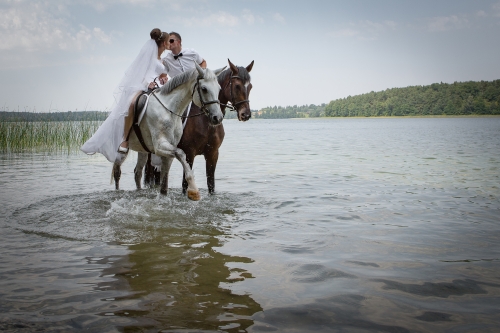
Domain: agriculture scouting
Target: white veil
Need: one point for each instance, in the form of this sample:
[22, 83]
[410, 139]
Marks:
[140, 73]
[138, 76]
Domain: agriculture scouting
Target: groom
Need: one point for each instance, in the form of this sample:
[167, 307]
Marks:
[181, 60]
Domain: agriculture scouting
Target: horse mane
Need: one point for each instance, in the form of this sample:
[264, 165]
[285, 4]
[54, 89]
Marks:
[242, 74]
[177, 81]
[183, 78]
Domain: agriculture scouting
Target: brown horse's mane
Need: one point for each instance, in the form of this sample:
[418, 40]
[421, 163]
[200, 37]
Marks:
[242, 74]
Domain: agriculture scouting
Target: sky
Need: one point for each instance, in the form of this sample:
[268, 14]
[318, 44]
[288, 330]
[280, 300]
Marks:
[69, 55]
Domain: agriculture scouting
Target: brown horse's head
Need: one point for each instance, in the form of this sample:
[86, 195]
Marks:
[236, 89]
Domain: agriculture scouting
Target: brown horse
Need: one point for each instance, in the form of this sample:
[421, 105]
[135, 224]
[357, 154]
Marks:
[199, 137]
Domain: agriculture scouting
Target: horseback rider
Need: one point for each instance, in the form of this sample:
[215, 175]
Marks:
[180, 60]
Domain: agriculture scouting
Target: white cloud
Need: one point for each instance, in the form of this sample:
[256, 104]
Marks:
[481, 13]
[496, 9]
[346, 32]
[446, 23]
[378, 27]
[279, 18]
[221, 19]
[101, 36]
[43, 27]
[103, 5]
[250, 18]
[364, 29]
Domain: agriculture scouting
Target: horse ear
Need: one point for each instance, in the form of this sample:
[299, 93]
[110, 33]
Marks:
[220, 70]
[201, 73]
[234, 69]
[249, 67]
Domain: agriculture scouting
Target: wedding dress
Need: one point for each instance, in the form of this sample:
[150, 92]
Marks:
[143, 70]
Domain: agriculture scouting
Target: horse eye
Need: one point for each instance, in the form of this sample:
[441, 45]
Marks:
[204, 89]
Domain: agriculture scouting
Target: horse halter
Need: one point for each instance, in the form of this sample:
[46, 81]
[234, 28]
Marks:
[203, 103]
[233, 103]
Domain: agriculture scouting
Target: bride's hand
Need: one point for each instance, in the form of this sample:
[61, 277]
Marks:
[151, 85]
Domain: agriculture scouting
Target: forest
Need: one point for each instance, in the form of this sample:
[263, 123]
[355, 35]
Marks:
[295, 111]
[437, 99]
[459, 98]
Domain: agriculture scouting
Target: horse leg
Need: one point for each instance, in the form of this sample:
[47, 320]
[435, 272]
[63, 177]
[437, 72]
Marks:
[117, 172]
[155, 174]
[142, 158]
[156, 177]
[164, 148]
[192, 191]
[148, 172]
[190, 161]
[166, 162]
[211, 159]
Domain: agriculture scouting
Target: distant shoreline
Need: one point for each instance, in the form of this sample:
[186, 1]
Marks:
[393, 117]
[6, 116]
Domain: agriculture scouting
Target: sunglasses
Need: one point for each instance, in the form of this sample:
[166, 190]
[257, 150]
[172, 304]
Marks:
[171, 41]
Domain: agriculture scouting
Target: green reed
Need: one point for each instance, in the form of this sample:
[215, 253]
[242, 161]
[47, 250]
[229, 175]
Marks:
[45, 136]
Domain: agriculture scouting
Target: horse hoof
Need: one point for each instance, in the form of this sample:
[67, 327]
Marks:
[194, 195]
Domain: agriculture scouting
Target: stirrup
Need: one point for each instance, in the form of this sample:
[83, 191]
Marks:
[123, 150]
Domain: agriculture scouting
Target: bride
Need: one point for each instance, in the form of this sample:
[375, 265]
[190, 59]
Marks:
[110, 138]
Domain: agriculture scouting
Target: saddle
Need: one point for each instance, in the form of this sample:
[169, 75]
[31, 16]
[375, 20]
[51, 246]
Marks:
[140, 105]
[139, 109]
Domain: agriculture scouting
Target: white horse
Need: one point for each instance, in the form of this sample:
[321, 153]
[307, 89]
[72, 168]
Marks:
[161, 125]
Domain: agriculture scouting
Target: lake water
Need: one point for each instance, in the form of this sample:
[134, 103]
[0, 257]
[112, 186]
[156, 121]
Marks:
[318, 225]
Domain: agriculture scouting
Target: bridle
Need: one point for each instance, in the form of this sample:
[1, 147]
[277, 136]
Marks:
[233, 105]
[204, 104]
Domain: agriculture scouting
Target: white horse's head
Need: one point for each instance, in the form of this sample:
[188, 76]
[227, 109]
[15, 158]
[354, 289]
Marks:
[206, 94]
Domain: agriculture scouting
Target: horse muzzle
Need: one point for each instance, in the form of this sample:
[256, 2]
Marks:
[244, 114]
[215, 120]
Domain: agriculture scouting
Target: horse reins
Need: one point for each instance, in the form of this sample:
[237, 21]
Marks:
[203, 103]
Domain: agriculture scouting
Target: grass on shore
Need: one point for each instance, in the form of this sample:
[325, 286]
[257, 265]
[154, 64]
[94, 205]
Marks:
[50, 136]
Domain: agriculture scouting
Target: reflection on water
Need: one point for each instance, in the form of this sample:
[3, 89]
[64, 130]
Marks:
[332, 314]
[178, 284]
[383, 225]
[172, 274]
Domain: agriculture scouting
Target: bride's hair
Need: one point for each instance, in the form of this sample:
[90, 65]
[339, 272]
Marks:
[158, 36]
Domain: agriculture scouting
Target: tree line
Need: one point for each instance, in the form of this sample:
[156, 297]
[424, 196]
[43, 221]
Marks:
[295, 111]
[459, 98]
